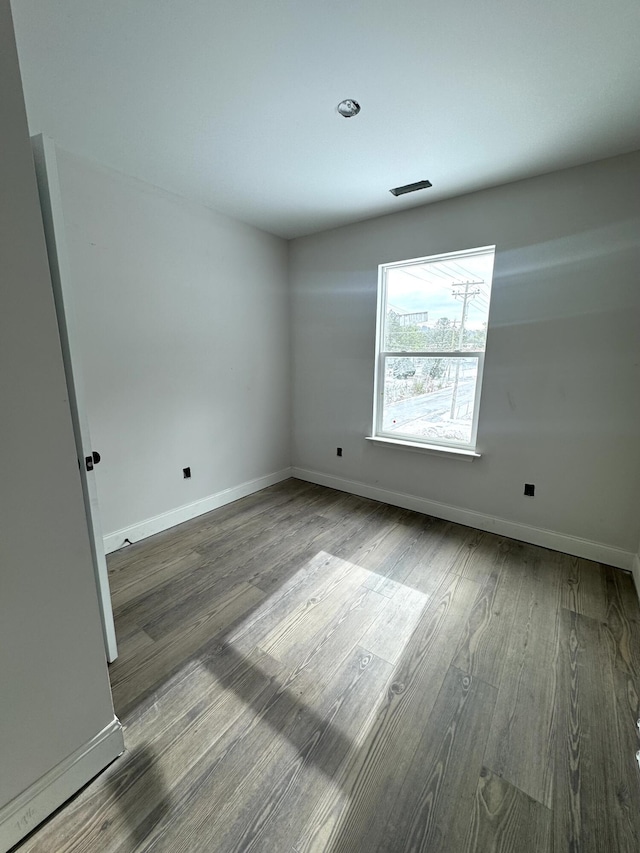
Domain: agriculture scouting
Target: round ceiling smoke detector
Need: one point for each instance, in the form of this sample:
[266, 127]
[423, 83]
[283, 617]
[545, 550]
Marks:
[348, 108]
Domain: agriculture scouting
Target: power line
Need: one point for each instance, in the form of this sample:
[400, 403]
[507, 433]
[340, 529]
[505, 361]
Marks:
[434, 273]
[464, 269]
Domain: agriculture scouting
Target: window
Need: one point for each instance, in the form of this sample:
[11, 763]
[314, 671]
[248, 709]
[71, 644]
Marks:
[432, 328]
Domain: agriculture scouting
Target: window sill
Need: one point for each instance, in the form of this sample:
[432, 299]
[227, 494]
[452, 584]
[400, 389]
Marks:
[432, 449]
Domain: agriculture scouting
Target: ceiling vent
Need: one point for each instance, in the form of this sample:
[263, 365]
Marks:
[411, 188]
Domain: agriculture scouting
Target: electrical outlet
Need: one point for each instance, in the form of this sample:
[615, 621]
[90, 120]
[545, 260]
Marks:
[529, 490]
[338, 451]
[186, 473]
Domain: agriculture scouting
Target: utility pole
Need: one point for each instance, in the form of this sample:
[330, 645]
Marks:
[466, 297]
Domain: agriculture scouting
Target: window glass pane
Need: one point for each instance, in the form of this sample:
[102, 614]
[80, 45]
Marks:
[430, 399]
[438, 305]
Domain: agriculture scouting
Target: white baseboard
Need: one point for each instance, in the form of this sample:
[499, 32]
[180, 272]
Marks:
[142, 529]
[20, 816]
[515, 530]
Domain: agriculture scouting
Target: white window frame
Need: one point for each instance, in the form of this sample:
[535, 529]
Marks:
[398, 438]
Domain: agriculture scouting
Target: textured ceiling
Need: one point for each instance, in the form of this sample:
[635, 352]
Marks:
[232, 102]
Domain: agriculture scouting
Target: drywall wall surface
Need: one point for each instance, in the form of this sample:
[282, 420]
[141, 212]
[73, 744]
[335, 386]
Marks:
[560, 404]
[183, 323]
[53, 672]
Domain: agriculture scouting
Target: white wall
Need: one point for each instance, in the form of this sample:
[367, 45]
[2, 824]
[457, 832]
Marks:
[560, 405]
[184, 322]
[53, 673]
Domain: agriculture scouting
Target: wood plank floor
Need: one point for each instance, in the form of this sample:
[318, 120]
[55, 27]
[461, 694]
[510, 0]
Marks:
[305, 670]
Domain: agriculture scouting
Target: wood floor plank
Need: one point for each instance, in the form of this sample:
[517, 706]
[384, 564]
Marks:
[406, 555]
[256, 534]
[312, 583]
[444, 552]
[129, 647]
[301, 624]
[329, 643]
[324, 606]
[137, 584]
[421, 563]
[342, 539]
[440, 782]
[302, 590]
[127, 627]
[583, 586]
[219, 767]
[143, 565]
[627, 715]
[130, 680]
[592, 810]
[477, 555]
[388, 535]
[171, 608]
[388, 636]
[146, 551]
[397, 727]
[505, 820]
[285, 558]
[289, 715]
[483, 647]
[247, 822]
[163, 745]
[622, 620]
[521, 745]
[223, 539]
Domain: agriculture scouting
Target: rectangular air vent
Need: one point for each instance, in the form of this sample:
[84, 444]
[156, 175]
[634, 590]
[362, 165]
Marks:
[411, 188]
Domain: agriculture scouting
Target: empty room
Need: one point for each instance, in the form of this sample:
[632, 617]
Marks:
[320, 427]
